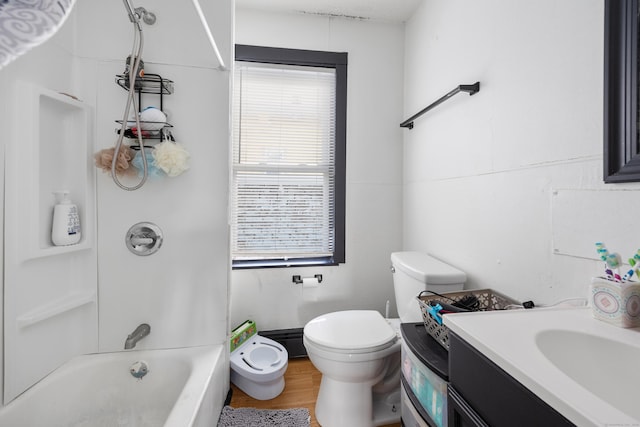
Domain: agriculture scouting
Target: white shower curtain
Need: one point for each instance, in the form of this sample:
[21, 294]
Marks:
[25, 24]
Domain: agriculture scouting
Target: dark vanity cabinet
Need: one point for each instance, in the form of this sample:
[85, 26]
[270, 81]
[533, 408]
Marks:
[481, 394]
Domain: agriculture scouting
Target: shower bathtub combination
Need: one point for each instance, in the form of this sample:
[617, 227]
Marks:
[181, 388]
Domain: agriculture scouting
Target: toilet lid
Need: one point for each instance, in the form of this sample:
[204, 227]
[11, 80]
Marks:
[350, 330]
[427, 269]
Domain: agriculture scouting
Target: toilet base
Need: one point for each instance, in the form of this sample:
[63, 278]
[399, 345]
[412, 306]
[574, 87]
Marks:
[386, 408]
[260, 391]
[347, 404]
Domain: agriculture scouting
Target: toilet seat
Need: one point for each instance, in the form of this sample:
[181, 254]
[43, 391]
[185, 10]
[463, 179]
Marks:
[259, 359]
[350, 332]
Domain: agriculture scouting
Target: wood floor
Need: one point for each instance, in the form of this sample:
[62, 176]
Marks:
[302, 382]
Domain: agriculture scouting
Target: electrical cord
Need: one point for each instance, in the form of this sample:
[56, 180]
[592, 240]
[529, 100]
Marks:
[574, 302]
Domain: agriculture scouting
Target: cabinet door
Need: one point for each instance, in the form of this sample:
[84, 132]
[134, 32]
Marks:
[460, 414]
[497, 396]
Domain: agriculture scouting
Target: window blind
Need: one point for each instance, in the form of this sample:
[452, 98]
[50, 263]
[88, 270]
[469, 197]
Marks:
[283, 173]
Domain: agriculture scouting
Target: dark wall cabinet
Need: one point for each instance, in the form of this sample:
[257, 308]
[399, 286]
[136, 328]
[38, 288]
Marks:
[481, 394]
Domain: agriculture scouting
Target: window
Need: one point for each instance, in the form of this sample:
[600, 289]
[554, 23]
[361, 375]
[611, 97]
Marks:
[289, 155]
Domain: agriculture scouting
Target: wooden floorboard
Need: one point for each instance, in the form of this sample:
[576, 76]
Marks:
[302, 382]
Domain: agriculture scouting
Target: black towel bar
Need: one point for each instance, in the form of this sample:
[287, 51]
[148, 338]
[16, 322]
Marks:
[470, 89]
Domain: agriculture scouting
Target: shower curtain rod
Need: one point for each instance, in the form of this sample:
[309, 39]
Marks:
[471, 89]
[207, 30]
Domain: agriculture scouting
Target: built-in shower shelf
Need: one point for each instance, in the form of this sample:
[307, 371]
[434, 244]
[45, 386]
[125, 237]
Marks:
[53, 155]
[55, 308]
[41, 252]
[150, 83]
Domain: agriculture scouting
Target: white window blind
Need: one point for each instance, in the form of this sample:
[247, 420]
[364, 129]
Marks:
[283, 162]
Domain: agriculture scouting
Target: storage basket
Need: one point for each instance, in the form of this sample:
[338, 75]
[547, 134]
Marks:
[488, 300]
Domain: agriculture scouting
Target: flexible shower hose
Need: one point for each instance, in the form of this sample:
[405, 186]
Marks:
[136, 52]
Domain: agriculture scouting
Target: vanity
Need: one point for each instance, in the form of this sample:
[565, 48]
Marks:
[541, 367]
[491, 396]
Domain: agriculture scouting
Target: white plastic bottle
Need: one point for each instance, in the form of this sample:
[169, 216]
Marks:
[66, 221]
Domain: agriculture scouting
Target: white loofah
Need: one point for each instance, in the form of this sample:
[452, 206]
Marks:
[152, 119]
[171, 157]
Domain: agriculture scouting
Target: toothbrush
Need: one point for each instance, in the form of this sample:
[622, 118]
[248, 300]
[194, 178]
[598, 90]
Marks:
[635, 266]
[604, 253]
[614, 261]
[608, 272]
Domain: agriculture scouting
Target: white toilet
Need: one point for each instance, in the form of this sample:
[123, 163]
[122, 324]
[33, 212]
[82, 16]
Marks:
[358, 351]
[258, 366]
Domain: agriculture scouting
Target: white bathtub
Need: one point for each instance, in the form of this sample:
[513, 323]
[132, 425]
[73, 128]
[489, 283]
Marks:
[183, 388]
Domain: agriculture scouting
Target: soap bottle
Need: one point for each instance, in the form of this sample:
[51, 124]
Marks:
[66, 221]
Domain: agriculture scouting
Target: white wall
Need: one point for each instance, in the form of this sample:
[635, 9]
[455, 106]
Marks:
[374, 176]
[507, 184]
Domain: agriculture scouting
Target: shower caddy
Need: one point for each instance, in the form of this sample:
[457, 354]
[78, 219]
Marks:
[149, 84]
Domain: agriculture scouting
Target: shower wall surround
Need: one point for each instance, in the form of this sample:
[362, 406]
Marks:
[40, 282]
[51, 291]
[181, 291]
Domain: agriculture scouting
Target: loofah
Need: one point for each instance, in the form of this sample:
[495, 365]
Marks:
[152, 169]
[104, 158]
[171, 157]
[152, 119]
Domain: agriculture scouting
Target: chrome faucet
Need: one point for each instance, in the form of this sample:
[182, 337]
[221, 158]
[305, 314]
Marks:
[132, 339]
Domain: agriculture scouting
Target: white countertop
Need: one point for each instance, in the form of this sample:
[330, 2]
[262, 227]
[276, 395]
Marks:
[508, 338]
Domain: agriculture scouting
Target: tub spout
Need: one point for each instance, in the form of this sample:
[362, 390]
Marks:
[132, 339]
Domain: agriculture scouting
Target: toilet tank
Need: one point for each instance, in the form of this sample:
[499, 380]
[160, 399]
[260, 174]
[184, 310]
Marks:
[414, 272]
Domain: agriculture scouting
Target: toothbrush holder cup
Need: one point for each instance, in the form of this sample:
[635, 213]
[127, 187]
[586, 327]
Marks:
[614, 302]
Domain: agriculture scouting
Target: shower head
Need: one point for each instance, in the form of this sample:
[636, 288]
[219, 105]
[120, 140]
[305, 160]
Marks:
[149, 18]
[135, 13]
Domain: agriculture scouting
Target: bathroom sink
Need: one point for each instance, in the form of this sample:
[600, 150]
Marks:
[584, 368]
[598, 364]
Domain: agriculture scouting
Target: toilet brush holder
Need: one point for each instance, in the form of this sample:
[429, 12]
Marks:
[614, 302]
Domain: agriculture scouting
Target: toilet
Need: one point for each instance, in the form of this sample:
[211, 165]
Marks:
[358, 351]
[258, 365]
[414, 272]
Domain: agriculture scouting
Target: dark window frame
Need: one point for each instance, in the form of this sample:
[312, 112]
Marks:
[621, 152]
[313, 58]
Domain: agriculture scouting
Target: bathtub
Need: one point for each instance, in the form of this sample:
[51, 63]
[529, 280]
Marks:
[183, 387]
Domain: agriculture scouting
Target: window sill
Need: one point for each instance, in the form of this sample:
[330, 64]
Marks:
[280, 263]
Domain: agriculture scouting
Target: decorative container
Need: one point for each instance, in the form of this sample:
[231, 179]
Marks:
[614, 302]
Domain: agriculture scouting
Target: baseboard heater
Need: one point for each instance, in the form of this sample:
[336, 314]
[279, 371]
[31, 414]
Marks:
[291, 339]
